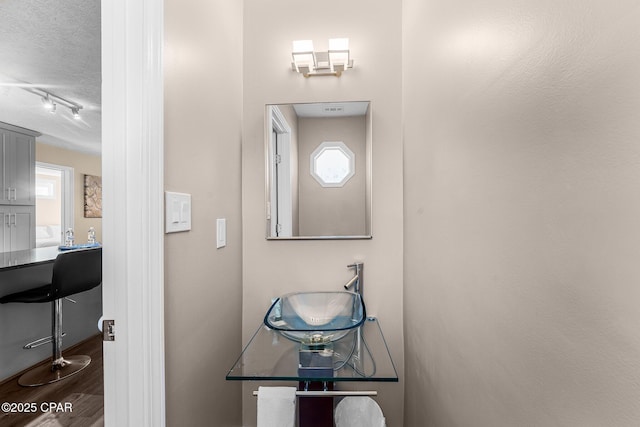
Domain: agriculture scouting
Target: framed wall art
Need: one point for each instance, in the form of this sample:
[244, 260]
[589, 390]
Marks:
[92, 196]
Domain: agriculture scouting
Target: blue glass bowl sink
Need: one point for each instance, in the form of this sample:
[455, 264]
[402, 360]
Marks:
[316, 317]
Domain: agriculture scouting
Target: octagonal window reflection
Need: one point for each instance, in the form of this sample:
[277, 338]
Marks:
[332, 164]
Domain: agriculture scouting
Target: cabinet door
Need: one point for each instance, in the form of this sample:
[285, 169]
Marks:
[5, 229]
[19, 164]
[5, 137]
[22, 225]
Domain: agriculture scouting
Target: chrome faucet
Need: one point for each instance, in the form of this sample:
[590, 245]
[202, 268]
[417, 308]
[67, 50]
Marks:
[356, 281]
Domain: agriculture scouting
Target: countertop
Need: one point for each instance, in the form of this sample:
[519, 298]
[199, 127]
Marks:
[360, 356]
[28, 257]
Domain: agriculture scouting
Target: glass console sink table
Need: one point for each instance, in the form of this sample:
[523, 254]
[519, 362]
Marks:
[362, 355]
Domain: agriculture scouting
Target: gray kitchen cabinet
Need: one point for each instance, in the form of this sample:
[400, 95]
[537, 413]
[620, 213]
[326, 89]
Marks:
[18, 230]
[17, 182]
[18, 165]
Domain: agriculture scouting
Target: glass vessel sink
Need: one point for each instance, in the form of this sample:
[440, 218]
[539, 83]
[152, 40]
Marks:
[316, 318]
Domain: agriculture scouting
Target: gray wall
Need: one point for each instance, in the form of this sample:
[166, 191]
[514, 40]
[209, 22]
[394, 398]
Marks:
[522, 207]
[272, 268]
[332, 211]
[203, 306]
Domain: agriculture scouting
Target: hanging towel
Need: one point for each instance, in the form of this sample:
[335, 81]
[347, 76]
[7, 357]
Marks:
[359, 411]
[276, 406]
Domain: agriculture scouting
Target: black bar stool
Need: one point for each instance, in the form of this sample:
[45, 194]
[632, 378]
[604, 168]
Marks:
[73, 272]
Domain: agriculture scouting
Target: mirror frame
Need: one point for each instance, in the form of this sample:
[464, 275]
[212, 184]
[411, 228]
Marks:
[268, 120]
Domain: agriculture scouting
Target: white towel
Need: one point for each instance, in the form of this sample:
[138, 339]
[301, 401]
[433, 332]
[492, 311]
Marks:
[276, 406]
[359, 411]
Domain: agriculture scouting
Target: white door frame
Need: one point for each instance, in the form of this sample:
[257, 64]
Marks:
[281, 196]
[132, 168]
[67, 192]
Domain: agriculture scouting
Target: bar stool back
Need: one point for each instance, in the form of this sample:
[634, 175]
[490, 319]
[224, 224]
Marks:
[73, 272]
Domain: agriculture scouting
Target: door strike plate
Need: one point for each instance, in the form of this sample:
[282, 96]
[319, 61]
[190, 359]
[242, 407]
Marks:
[108, 330]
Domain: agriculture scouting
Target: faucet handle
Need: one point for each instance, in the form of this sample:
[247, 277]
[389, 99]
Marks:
[356, 265]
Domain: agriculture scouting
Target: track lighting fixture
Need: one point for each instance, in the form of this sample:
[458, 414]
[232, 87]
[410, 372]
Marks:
[51, 100]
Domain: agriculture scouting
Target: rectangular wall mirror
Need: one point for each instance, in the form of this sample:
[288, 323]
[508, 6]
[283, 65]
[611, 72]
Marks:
[318, 170]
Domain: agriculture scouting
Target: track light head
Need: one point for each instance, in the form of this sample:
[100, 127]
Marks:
[48, 103]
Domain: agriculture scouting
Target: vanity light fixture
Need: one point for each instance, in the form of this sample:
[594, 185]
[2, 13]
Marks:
[333, 62]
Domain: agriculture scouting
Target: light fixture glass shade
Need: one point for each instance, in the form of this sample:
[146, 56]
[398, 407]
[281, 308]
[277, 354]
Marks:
[339, 53]
[302, 54]
[302, 46]
[339, 44]
[48, 103]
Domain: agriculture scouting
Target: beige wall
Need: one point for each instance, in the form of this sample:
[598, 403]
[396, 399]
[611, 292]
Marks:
[332, 211]
[203, 111]
[271, 268]
[82, 164]
[522, 163]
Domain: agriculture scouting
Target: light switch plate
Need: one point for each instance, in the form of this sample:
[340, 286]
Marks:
[177, 212]
[221, 233]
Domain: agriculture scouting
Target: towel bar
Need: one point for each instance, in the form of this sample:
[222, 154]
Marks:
[321, 393]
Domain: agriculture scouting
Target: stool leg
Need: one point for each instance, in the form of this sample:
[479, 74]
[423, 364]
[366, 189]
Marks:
[56, 333]
[60, 368]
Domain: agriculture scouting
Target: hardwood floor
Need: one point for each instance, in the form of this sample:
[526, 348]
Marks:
[77, 401]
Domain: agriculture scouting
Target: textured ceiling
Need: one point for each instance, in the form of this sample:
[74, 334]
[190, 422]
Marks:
[55, 45]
